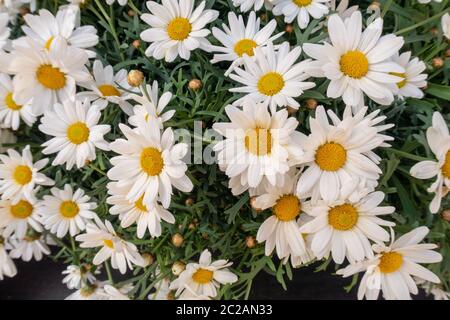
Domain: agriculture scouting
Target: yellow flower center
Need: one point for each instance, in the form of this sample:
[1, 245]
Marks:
[78, 133]
[68, 209]
[287, 207]
[50, 77]
[179, 29]
[245, 46]
[343, 217]
[10, 103]
[446, 166]
[108, 243]
[270, 84]
[108, 90]
[302, 3]
[331, 156]
[354, 64]
[402, 83]
[22, 174]
[258, 141]
[49, 42]
[390, 262]
[202, 276]
[151, 161]
[139, 205]
[22, 210]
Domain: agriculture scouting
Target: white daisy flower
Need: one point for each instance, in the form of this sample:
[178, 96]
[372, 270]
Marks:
[11, 7]
[74, 126]
[149, 163]
[392, 267]
[44, 27]
[239, 39]
[356, 62]
[246, 5]
[430, 288]
[19, 175]
[259, 148]
[176, 28]
[10, 111]
[163, 291]
[28, 247]
[6, 137]
[300, 9]
[89, 292]
[307, 256]
[445, 23]
[149, 106]
[121, 2]
[47, 77]
[107, 87]
[342, 8]
[7, 266]
[66, 210]
[345, 226]
[438, 139]
[78, 276]
[272, 77]
[136, 212]
[123, 254]
[280, 231]
[203, 278]
[339, 153]
[413, 79]
[16, 217]
[4, 30]
[428, 1]
[112, 293]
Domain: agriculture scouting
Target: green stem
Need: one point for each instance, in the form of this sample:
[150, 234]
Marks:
[95, 168]
[407, 29]
[74, 249]
[108, 272]
[386, 8]
[133, 7]
[404, 154]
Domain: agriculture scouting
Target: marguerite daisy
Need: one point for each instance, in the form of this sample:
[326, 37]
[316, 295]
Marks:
[123, 254]
[19, 175]
[149, 163]
[413, 79]
[300, 9]
[246, 5]
[136, 212]
[357, 62]
[113, 293]
[176, 28]
[239, 39]
[16, 217]
[4, 30]
[272, 77]
[47, 77]
[342, 8]
[28, 247]
[66, 211]
[78, 276]
[10, 7]
[344, 226]
[445, 24]
[148, 103]
[428, 1]
[121, 2]
[7, 266]
[392, 267]
[107, 87]
[74, 126]
[10, 111]
[162, 291]
[203, 278]
[259, 147]
[439, 141]
[92, 291]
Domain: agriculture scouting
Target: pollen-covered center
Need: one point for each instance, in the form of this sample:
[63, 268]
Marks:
[245, 46]
[69, 209]
[302, 3]
[258, 141]
[49, 42]
[287, 207]
[22, 174]
[402, 83]
[202, 276]
[331, 156]
[10, 103]
[354, 64]
[140, 205]
[343, 217]
[179, 29]
[151, 161]
[109, 90]
[78, 133]
[446, 166]
[390, 262]
[108, 243]
[51, 77]
[270, 84]
[22, 209]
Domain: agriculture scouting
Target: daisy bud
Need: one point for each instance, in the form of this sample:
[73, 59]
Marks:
[195, 84]
[177, 240]
[205, 236]
[434, 31]
[289, 28]
[171, 295]
[446, 215]
[252, 204]
[191, 226]
[135, 78]
[178, 267]
[131, 13]
[263, 16]
[437, 62]
[23, 11]
[136, 43]
[374, 5]
[311, 104]
[250, 242]
[189, 202]
[148, 259]
[291, 110]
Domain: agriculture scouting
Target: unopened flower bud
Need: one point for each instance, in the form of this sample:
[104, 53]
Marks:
[135, 78]
[289, 28]
[177, 240]
[250, 242]
[148, 259]
[136, 43]
[178, 267]
[437, 62]
[189, 202]
[446, 215]
[131, 13]
[195, 84]
[291, 110]
[311, 104]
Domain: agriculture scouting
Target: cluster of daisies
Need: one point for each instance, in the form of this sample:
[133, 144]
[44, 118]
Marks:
[320, 188]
